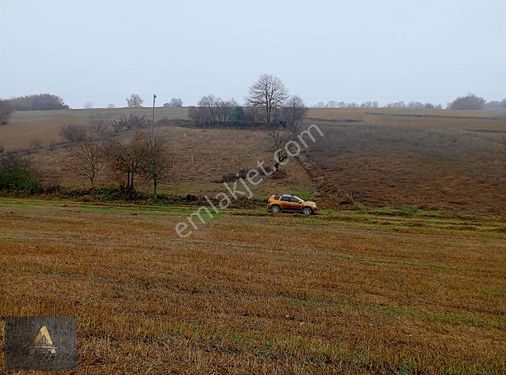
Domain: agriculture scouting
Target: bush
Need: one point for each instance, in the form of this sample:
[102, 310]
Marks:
[17, 175]
[72, 133]
[131, 122]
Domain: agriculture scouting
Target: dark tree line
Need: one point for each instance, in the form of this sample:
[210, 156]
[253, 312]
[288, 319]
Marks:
[38, 102]
[475, 102]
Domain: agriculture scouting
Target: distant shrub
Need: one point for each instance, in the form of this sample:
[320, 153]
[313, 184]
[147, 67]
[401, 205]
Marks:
[18, 175]
[468, 102]
[38, 102]
[72, 133]
[174, 103]
[131, 122]
[134, 101]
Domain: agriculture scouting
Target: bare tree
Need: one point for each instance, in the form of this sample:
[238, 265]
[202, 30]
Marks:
[126, 156]
[156, 165]
[100, 128]
[224, 108]
[206, 111]
[86, 158]
[134, 101]
[72, 133]
[277, 139]
[292, 114]
[268, 93]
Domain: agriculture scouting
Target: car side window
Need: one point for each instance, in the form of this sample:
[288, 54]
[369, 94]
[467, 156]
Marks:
[295, 200]
[286, 199]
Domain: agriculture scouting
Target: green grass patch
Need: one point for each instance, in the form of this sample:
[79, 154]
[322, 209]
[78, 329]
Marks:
[440, 316]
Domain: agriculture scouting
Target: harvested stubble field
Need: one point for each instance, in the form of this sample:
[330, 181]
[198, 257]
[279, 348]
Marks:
[381, 291]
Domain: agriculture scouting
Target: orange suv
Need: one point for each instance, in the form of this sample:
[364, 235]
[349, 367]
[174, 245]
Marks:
[291, 203]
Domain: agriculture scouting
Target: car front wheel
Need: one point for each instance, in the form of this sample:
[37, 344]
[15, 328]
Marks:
[275, 209]
[307, 211]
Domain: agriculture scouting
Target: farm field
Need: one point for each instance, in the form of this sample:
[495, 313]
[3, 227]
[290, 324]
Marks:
[379, 290]
[42, 128]
[231, 188]
[449, 160]
[430, 159]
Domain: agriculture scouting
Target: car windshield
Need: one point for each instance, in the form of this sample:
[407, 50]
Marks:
[300, 199]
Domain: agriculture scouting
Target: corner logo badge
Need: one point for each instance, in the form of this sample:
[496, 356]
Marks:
[40, 343]
[43, 342]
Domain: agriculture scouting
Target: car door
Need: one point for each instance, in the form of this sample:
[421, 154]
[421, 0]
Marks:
[296, 204]
[286, 203]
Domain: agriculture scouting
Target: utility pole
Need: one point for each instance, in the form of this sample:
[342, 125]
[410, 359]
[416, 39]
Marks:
[153, 123]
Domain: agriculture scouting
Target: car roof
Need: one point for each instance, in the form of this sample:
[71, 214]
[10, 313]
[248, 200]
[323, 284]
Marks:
[280, 195]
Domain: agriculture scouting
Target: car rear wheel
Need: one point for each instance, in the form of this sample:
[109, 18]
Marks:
[275, 209]
[307, 211]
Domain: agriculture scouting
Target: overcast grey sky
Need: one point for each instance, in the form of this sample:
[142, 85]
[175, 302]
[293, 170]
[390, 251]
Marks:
[354, 51]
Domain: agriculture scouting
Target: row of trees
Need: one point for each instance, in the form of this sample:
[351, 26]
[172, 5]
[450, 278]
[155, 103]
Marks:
[495, 104]
[469, 102]
[213, 110]
[374, 104]
[336, 104]
[268, 92]
[414, 105]
[97, 145]
[268, 103]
